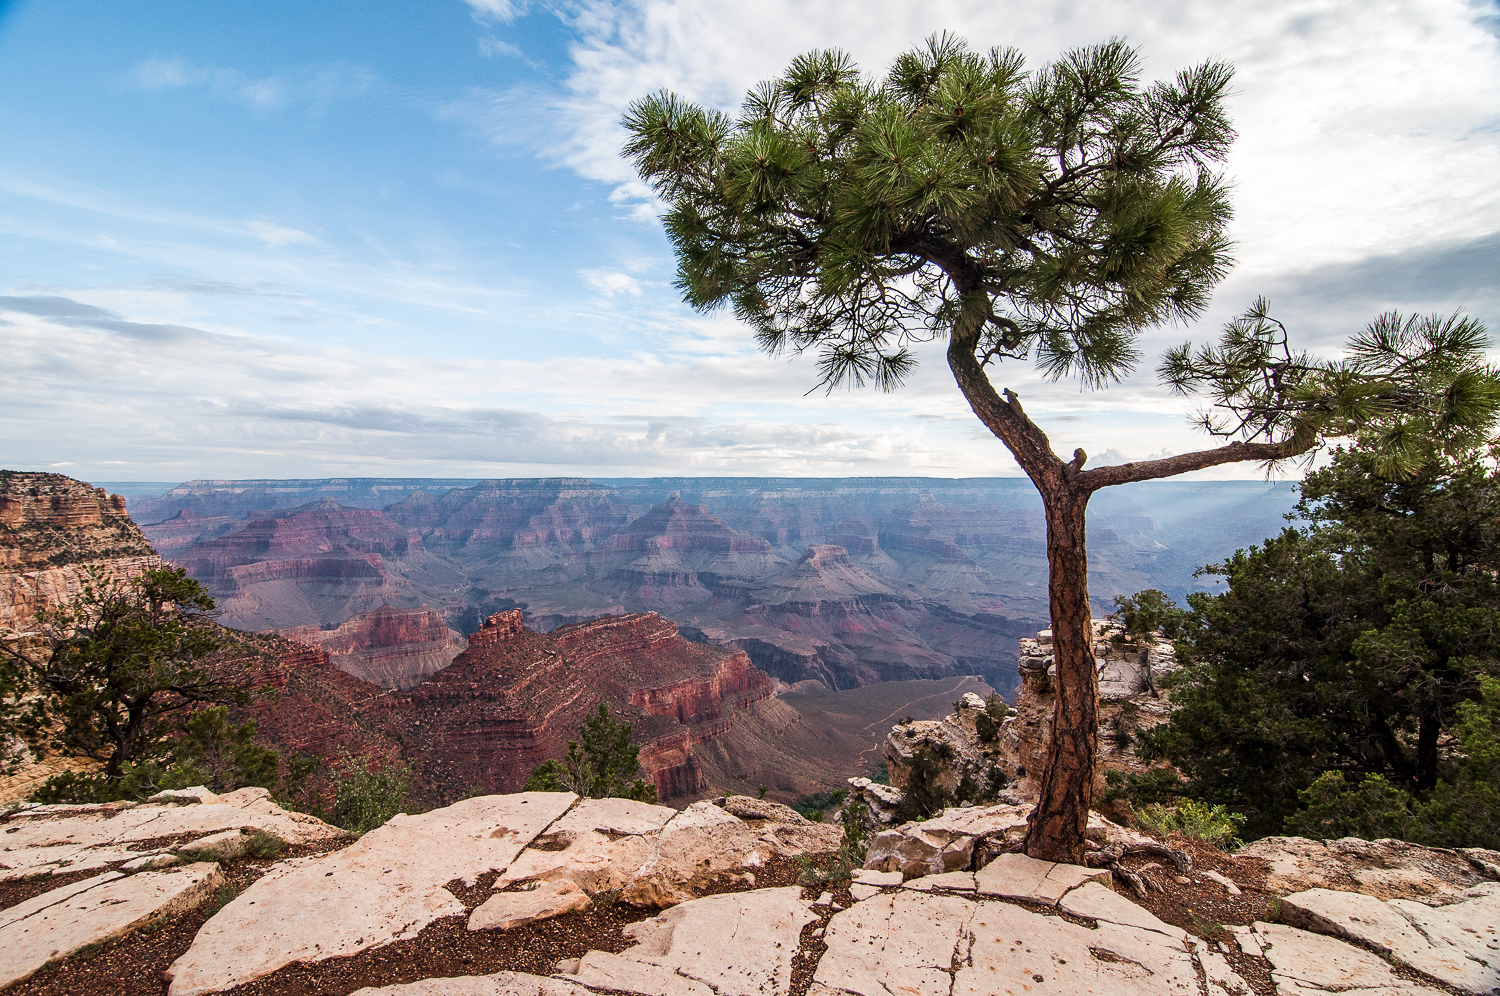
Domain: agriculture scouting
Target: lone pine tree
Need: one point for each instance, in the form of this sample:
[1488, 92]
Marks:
[1047, 216]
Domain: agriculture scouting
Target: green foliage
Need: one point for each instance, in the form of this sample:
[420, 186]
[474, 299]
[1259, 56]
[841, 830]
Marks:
[815, 804]
[924, 795]
[264, 845]
[1145, 615]
[1055, 212]
[760, 793]
[105, 672]
[858, 825]
[1193, 819]
[987, 724]
[1358, 646]
[219, 755]
[881, 773]
[1155, 786]
[601, 764]
[365, 799]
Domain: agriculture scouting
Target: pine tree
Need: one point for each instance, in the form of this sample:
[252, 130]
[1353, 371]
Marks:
[1050, 217]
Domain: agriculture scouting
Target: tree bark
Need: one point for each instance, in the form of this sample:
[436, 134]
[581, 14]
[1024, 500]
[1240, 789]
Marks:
[1056, 826]
[1055, 829]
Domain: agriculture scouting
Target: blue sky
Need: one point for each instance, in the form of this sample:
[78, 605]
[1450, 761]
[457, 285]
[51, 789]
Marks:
[279, 239]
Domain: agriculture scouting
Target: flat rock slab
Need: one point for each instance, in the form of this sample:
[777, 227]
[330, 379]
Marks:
[946, 882]
[1016, 876]
[385, 887]
[505, 910]
[614, 816]
[739, 944]
[45, 840]
[1095, 901]
[1457, 944]
[931, 944]
[879, 879]
[58, 923]
[1303, 963]
[499, 984]
[1385, 869]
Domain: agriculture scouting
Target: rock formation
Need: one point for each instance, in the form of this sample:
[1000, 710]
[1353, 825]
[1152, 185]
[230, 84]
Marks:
[929, 913]
[531, 519]
[393, 648]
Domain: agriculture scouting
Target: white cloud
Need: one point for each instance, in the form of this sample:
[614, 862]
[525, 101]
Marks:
[315, 86]
[276, 236]
[1363, 126]
[497, 10]
[490, 45]
[611, 282]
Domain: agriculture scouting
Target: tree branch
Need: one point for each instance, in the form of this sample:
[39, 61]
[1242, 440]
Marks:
[1148, 470]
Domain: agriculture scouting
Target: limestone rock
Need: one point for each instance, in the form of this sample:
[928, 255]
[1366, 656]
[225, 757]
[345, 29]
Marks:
[879, 879]
[499, 984]
[42, 840]
[58, 923]
[861, 891]
[750, 808]
[880, 799]
[653, 892]
[505, 910]
[1303, 962]
[1385, 869]
[1016, 876]
[385, 887]
[1100, 903]
[1223, 880]
[226, 845]
[1457, 943]
[738, 944]
[946, 882]
[899, 942]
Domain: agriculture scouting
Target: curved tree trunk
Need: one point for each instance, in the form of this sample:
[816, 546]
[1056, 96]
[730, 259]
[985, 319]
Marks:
[1056, 825]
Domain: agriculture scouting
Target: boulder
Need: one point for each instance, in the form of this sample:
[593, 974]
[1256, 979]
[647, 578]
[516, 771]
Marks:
[505, 910]
[383, 888]
[57, 923]
[653, 892]
[750, 808]
[738, 944]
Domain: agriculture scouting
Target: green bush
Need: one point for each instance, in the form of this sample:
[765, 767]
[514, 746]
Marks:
[602, 763]
[1194, 820]
[924, 796]
[365, 799]
[1145, 615]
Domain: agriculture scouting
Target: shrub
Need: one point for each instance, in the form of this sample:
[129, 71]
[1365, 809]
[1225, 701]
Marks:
[1194, 820]
[365, 799]
[1144, 615]
[924, 796]
[600, 764]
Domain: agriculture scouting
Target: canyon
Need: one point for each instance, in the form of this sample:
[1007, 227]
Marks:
[846, 582]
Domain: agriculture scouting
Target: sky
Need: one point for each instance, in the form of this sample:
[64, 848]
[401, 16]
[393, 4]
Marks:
[274, 239]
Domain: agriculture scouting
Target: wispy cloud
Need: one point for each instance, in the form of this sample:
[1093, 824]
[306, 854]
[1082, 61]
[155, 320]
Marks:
[497, 10]
[317, 87]
[276, 236]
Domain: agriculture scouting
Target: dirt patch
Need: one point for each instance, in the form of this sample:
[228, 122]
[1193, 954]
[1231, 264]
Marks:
[20, 890]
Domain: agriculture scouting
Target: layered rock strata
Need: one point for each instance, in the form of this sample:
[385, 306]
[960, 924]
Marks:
[393, 648]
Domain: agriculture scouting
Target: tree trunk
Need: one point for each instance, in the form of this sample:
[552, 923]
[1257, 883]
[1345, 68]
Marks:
[1427, 752]
[1056, 826]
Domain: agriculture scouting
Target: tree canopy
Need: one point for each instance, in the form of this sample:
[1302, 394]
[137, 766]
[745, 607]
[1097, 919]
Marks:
[1356, 648]
[1044, 216]
[100, 676]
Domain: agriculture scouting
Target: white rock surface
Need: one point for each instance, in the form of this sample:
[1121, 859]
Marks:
[57, 923]
[1016, 876]
[42, 840]
[1385, 869]
[879, 879]
[383, 888]
[1304, 963]
[946, 882]
[896, 943]
[505, 910]
[1457, 944]
[1095, 901]
[1225, 881]
[499, 984]
[738, 944]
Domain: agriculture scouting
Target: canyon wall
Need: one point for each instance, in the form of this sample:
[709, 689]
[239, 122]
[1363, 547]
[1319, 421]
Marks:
[392, 648]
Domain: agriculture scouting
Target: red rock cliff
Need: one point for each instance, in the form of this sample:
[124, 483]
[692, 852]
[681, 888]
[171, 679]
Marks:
[393, 648]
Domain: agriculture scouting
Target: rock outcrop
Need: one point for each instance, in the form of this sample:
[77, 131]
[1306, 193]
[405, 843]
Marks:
[48, 520]
[392, 648]
[514, 697]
